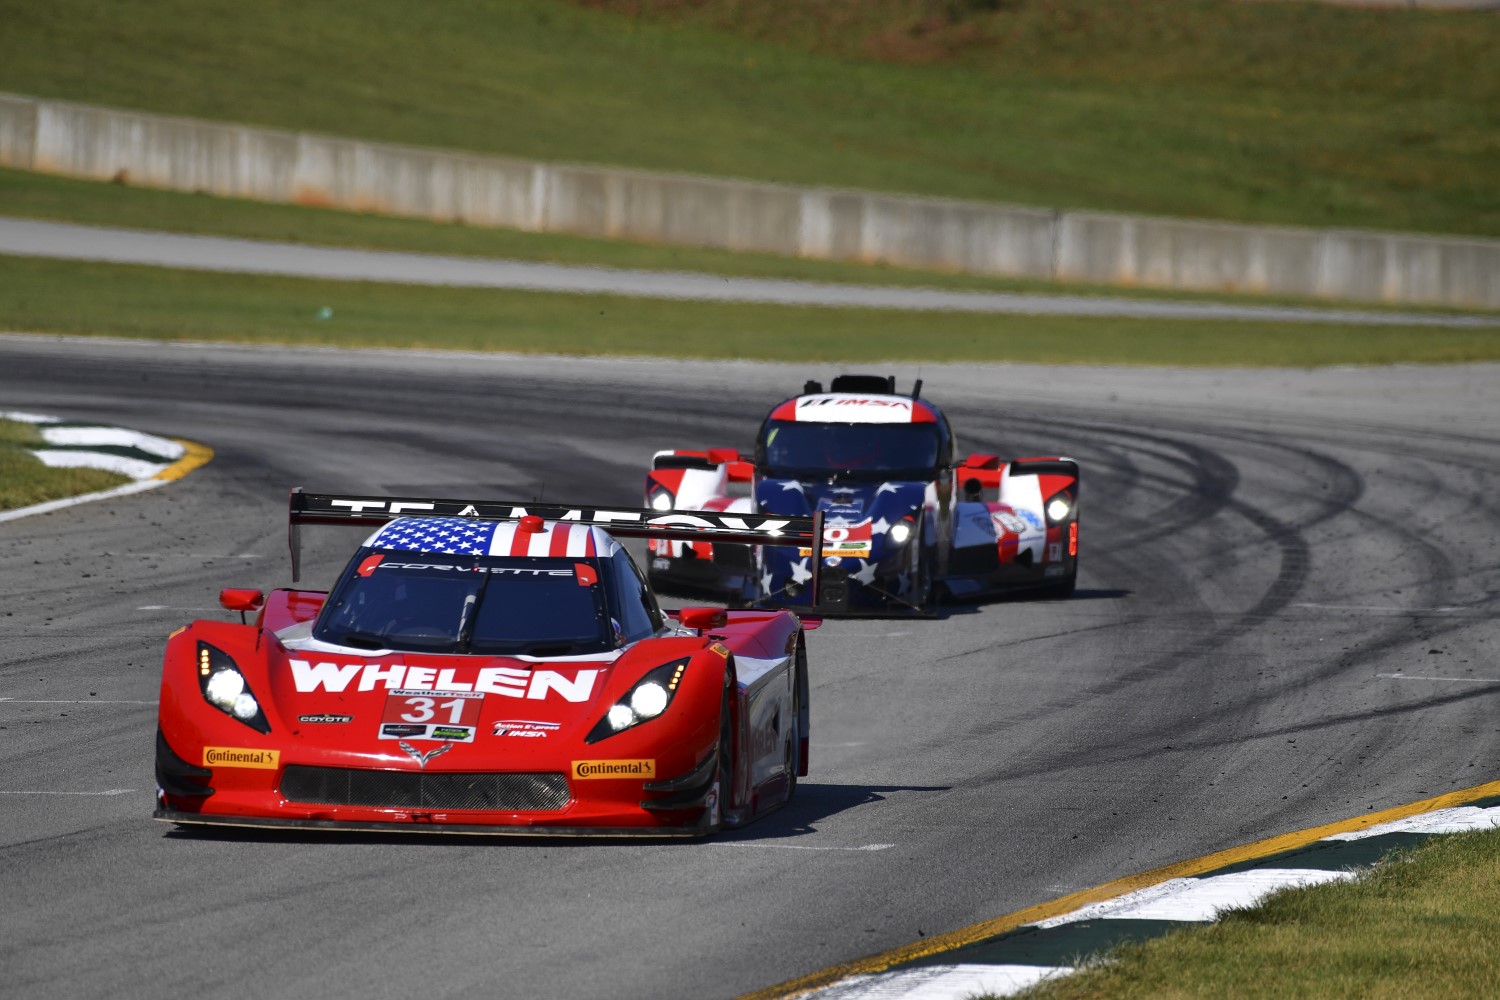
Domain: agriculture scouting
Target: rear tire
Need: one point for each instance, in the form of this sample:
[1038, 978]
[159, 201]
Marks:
[1058, 591]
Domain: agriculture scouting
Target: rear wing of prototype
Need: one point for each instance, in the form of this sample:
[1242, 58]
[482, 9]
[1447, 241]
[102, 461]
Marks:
[622, 522]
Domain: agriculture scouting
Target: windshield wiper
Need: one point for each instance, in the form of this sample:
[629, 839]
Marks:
[470, 614]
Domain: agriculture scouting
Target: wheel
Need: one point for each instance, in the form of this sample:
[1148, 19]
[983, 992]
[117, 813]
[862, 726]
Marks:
[794, 761]
[1061, 590]
[920, 594]
[794, 745]
[724, 779]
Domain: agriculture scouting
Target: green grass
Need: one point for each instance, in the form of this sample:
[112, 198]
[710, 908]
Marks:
[24, 480]
[122, 300]
[1424, 926]
[1262, 112]
[41, 196]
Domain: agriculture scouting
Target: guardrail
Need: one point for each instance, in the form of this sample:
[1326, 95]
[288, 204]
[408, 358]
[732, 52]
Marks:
[242, 161]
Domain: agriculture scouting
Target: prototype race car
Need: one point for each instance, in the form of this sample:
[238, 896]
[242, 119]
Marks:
[489, 668]
[905, 525]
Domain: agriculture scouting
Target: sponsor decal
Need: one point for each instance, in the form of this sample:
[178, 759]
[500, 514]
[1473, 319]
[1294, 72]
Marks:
[266, 760]
[399, 731]
[1054, 571]
[1033, 519]
[324, 717]
[421, 756]
[450, 568]
[525, 729]
[586, 515]
[841, 541]
[1054, 552]
[661, 564]
[808, 402]
[509, 682]
[593, 770]
[586, 575]
[1009, 522]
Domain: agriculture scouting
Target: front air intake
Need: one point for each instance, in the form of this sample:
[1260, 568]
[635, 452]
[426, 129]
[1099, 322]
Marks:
[346, 786]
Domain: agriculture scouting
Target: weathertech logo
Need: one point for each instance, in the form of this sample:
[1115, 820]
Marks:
[586, 770]
[267, 760]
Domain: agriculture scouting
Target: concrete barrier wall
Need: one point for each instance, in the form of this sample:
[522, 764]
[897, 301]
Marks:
[269, 165]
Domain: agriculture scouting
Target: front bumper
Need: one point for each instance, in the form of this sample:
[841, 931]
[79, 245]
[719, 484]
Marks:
[312, 795]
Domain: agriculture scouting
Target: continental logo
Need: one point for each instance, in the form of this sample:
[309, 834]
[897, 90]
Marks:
[586, 770]
[267, 760]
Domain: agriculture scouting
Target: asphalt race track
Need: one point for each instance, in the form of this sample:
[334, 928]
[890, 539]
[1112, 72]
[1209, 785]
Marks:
[1286, 617]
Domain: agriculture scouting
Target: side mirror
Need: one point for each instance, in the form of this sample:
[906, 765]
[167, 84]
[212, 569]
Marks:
[703, 618]
[977, 461]
[242, 600]
[741, 472]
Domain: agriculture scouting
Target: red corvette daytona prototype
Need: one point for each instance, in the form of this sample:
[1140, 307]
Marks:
[487, 668]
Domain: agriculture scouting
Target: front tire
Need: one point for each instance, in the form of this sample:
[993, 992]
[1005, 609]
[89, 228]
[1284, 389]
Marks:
[724, 779]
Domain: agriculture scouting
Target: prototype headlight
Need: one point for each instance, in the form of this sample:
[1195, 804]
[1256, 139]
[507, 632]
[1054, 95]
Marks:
[662, 501]
[224, 688]
[899, 533]
[645, 701]
[1060, 506]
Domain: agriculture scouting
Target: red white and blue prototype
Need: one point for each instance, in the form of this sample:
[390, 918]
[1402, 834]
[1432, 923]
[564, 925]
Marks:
[487, 668]
[906, 523]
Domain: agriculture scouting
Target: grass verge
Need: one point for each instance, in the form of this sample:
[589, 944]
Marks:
[1259, 112]
[42, 295]
[1423, 925]
[25, 480]
[39, 196]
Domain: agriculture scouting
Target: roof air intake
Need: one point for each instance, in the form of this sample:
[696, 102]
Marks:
[863, 383]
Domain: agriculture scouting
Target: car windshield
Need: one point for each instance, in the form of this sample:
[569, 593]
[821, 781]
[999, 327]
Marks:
[467, 604]
[796, 450]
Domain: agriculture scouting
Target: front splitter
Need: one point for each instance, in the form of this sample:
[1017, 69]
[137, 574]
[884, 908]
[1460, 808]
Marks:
[429, 828]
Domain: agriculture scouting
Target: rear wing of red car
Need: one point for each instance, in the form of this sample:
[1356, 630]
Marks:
[623, 522]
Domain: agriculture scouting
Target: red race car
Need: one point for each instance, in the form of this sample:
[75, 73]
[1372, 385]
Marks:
[487, 668]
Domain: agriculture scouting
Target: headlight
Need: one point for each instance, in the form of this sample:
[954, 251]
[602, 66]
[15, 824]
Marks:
[645, 701]
[1057, 508]
[899, 533]
[224, 688]
[662, 501]
[648, 700]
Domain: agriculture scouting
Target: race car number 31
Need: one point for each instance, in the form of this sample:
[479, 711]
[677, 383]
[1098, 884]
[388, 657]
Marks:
[431, 715]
